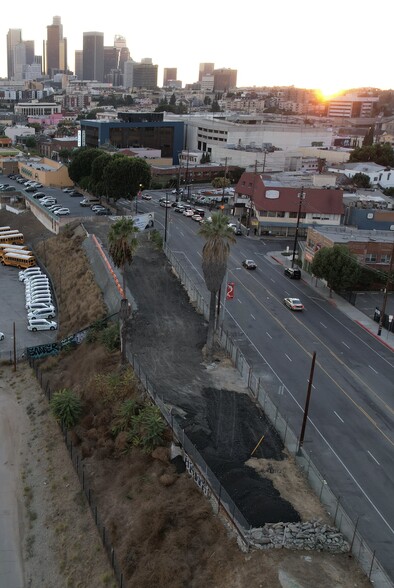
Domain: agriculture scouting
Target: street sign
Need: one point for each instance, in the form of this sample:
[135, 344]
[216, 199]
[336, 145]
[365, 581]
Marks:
[230, 291]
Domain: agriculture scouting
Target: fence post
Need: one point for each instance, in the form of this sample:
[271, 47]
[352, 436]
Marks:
[370, 569]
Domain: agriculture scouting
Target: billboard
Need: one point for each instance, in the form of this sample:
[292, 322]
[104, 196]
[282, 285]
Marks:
[141, 221]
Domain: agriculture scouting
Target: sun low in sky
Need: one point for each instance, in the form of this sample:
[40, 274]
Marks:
[328, 92]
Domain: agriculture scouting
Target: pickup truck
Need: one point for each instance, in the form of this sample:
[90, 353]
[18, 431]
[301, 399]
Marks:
[89, 201]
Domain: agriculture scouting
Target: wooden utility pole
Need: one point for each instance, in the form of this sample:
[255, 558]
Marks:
[301, 197]
[386, 290]
[308, 396]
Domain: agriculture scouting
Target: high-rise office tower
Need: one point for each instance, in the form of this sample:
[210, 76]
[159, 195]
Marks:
[123, 52]
[79, 64]
[56, 48]
[93, 56]
[19, 61]
[205, 69]
[169, 73]
[110, 62]
[145, 74]
[225, 79]
[29, 52]
[14, 37]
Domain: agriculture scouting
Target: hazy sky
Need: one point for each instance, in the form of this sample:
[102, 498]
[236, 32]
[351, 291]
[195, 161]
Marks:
[337, 45]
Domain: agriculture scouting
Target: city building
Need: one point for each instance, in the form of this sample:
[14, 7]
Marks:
[14, 37]
[123, 53]
[373, 249]
[110, 62]
[351, 106]
[225, 79]
[56, 48]
[379, 175]
[145, 74]
[169, 75]
[205, 69]
[273, 209]
[79, 64]
[136, 130]
[36, 108]
[93, 56]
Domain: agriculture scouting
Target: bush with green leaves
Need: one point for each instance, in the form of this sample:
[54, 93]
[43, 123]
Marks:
[157, 239]
[124, 416]
[110, 337]
[147, 428]
[95, 329]
[66, 407]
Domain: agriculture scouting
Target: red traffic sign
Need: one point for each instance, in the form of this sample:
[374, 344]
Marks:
[230, 291]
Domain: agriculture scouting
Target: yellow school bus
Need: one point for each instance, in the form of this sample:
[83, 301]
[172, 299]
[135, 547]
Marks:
[2, 229]
[8, 248]
[18, 260]
[14, 238]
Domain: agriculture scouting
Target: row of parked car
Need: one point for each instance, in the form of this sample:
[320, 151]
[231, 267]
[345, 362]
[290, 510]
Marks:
[39, 302]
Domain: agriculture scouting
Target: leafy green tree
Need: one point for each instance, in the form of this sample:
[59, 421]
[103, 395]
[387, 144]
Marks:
[361, 180]
[66, 407]
[218, 237]
[380, 153]
[97, 184]
[30, 142]
[173, 100]
[207, 101]
[123, 176]
[338, 266]
[221, 182]
[81, 164]
[215, 106]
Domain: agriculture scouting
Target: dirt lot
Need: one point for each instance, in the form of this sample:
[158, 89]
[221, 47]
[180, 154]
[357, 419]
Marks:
[162, 528]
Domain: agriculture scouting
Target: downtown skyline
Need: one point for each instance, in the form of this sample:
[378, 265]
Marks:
[284, 45]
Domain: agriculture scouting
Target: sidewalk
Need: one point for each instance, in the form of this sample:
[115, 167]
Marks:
[364, 321]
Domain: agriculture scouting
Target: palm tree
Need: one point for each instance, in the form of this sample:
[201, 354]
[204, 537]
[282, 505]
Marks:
[218, 236]
[122, 246]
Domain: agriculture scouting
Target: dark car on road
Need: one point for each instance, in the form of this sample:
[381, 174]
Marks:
[293, 273]
[249, 264]
[102, 211]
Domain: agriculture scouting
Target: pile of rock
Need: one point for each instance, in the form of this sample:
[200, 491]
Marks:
[313, 535]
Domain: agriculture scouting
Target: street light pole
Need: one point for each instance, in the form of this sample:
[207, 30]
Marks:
[166, 219]
[301, 197]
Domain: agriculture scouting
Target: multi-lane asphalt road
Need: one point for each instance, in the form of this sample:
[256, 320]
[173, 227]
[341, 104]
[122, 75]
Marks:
[351, 416]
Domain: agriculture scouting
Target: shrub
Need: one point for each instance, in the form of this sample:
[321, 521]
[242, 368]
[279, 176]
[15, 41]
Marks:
[66, 407]
[147, 429]
[157, 239]
[110, 337]
[124, 416]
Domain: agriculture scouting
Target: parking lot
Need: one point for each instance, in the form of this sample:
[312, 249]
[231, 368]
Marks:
[13, 312]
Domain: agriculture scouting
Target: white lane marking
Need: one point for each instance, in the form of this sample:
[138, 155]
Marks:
[323, 325]
[272, 280]
[268, 334]
[372, 369]
[239, 300]
[374, 458]
[337, 415]
[289, 358]
[253, 317]
[343, 343]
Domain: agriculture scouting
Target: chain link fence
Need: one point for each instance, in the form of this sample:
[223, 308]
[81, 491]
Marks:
[332, 503]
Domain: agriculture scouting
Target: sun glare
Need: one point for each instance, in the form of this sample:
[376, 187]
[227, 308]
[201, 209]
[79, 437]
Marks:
[328, 92]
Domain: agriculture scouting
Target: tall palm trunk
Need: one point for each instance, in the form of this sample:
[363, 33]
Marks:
[211, 326]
